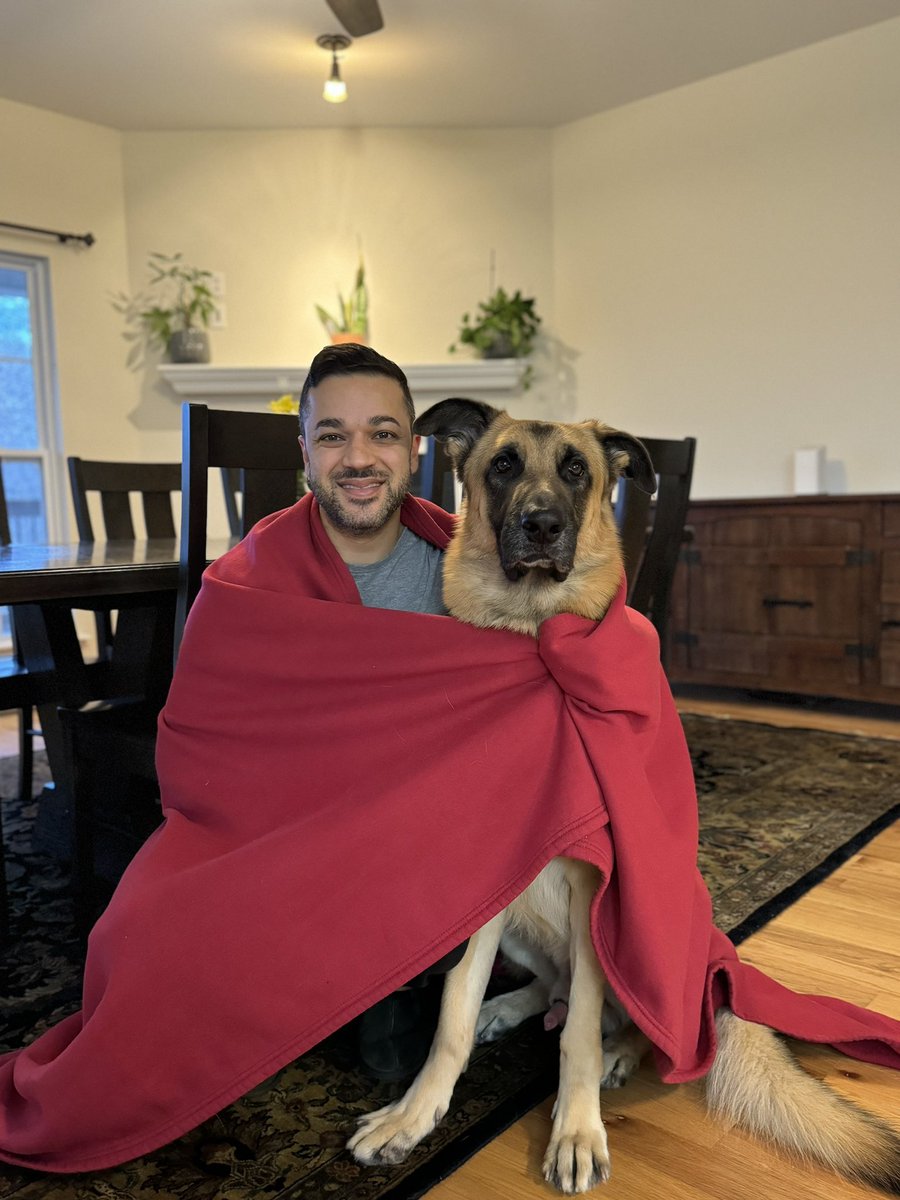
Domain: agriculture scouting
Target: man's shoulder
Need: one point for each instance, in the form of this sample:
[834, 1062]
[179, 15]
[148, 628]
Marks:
[428, 521]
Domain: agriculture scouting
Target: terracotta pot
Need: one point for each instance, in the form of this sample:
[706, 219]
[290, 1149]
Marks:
[341, 339]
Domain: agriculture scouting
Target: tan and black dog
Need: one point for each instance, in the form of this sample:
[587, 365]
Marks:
[537, 538]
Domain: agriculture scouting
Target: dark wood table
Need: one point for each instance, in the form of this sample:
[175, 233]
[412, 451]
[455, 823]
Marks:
[47, 583]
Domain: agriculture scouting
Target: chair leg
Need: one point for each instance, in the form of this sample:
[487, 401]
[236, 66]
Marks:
[4, 898]
[26, 753]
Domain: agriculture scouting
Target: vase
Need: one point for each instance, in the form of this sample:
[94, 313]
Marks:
[342, 339]
[500, 347]
[189, 346]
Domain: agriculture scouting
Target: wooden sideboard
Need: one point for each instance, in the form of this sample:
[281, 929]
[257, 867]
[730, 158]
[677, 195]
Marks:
[800, 594]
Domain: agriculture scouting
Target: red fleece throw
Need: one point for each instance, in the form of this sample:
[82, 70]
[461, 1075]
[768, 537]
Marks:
[350, 792]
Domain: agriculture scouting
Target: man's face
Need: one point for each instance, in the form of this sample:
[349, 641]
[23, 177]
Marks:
[359, 450]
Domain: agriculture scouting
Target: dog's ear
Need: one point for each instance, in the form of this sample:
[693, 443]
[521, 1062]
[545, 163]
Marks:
[627, 456]
[458, 423]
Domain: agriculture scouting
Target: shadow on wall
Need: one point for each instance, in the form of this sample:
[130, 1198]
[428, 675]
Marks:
[552, 396]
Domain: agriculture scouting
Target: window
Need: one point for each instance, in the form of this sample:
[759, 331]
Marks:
[29, 415]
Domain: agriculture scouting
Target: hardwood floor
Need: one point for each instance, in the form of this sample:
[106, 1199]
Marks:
[842, 938]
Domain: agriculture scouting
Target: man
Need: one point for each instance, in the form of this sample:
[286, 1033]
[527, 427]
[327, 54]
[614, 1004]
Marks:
[356, 416]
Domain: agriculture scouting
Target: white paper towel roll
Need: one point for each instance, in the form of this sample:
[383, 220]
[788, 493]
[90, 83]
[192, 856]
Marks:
[809, 471]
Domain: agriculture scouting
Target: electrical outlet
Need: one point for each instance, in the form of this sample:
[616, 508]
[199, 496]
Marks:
[219, 318]
[217, 283]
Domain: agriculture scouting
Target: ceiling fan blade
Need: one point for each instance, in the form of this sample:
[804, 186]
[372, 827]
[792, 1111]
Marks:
[358, 17]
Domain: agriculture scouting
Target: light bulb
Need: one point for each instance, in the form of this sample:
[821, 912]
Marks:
[335, 90]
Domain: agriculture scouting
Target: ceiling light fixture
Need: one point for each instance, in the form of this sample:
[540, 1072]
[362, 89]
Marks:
[335, 90]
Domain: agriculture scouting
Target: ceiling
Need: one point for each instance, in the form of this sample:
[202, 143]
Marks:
[254, 64]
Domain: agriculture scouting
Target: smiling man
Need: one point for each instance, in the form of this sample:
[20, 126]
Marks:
[356, 416]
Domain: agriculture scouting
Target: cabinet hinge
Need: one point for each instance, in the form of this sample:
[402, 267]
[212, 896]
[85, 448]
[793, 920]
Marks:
[859, 558]
[681, 637]
[859, 650]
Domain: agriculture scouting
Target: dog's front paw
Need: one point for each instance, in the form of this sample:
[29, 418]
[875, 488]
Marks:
[621, 1058]
[576, 1162]
[388, 1135]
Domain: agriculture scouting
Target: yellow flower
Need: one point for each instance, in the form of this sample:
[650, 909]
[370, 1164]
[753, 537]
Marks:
[285, 404]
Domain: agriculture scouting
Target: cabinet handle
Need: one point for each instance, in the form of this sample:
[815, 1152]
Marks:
[890, 624]
[776, 602]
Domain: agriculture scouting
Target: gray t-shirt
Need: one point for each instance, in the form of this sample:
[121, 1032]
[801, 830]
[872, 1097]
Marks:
[409, 578]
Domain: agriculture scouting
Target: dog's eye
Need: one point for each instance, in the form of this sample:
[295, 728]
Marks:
[577, 468]
[502, 464]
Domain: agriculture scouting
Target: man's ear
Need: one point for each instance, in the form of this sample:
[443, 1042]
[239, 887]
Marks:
[628, 456]
[458, 423]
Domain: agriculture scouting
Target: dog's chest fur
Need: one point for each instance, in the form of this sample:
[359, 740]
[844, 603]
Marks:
[541, 914]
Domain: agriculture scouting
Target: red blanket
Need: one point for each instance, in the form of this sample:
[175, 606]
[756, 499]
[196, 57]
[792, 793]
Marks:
[348, 793]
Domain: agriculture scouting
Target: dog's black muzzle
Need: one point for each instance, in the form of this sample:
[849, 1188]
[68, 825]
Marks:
[538, 538]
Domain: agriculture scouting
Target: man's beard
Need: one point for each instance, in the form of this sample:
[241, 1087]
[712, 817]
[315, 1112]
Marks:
[367, 519]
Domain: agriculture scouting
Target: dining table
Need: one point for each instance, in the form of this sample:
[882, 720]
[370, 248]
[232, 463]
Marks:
[46, 585]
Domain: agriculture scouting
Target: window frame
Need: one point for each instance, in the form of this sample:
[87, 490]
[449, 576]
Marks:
[49, 452]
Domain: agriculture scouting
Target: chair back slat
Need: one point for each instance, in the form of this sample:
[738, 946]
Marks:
[232, 486]
[117, 522]
[158, 517]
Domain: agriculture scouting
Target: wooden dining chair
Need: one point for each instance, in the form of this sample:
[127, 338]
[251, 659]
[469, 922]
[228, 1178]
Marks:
[258, 452]
[653, 529]
[119, 485]
[111, 748]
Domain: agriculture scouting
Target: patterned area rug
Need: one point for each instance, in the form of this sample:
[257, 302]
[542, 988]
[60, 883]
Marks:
[780, 808]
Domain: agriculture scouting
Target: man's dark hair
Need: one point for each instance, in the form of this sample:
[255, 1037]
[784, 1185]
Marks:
[351, 359]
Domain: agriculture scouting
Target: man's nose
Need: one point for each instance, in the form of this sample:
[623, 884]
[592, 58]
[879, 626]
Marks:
[358, 451]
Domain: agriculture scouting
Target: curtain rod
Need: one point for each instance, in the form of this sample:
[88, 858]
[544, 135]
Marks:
[87, 238]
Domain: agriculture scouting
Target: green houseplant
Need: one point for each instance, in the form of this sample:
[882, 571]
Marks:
[352, 322]
[180, 313]
[504, 326]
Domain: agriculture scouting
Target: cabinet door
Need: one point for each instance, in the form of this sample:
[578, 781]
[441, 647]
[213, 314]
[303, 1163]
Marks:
[889, 656]
[726, 585]
[813, 599]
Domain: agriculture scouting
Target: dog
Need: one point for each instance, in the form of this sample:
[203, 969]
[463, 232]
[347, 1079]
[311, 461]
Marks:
[536, 538]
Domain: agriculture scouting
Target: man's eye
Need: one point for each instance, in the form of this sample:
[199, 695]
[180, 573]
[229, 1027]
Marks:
[329, 437]
[386, 435]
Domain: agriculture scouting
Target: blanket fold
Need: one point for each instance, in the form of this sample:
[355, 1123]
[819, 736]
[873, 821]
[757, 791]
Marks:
[347, 794]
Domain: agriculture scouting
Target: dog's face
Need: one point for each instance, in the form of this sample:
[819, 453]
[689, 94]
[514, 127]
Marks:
[537, 534]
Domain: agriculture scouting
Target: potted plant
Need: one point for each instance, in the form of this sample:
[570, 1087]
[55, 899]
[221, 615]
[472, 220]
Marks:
[181, 315]
[504, 326]
[352, 323]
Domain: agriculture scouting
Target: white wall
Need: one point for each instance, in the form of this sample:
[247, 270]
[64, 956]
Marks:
[64, 174]
[282, 215]
[727, 264]
[720, 260]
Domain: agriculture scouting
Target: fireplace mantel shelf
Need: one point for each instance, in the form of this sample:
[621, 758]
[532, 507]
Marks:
[428, 382]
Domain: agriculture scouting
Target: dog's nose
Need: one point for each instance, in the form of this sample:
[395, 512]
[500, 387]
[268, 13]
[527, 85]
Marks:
[543, 525]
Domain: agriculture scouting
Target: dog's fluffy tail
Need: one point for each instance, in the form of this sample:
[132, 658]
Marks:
[756, 1083]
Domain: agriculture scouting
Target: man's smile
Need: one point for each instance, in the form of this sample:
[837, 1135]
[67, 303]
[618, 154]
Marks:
[361, 489]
